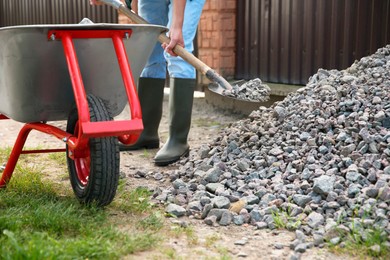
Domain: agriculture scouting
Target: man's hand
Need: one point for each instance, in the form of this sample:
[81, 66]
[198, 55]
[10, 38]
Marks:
[176, 36]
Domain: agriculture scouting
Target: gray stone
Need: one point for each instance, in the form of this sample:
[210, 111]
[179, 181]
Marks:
[178, 183]
[212, 175]
[314, 220]
[226, 218]
[276, 151]
[255, 216]
[301, 200]
[301, 248]
[239, 220]
[175, 210]
[261, 225]
[241, 242]
[216, 212]
[211, 221]
[206, 210]
[213, 187]
[194, 206]
[323, 184]
[221, 202]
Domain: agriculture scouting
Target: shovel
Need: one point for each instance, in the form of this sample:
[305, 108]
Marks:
[220, 83]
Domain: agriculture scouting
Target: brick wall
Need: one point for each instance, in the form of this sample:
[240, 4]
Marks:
[217, 37]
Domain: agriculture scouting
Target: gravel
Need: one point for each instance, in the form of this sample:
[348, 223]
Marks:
[252, 91]
[322, 155]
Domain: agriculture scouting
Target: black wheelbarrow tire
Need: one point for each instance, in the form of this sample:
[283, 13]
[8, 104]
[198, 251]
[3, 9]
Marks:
[94, 179]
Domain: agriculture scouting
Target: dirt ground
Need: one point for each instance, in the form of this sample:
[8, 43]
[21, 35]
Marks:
[232, 242]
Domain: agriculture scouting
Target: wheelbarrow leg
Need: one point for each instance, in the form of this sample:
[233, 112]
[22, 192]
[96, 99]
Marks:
[17, 149]
[14, 156]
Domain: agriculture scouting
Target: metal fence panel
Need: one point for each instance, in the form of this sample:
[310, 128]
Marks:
[23, 12]
[287, 41]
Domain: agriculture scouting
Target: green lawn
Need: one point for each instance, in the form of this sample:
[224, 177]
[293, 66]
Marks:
[42, 219]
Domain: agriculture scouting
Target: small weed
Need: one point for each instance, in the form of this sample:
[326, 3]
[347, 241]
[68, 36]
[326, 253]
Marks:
[284, 220]
[155, 221]
[136, 201]
[211, 240]
[146, 154]
[224, 253]
[170, 253]
[187, 231]
[121, 186]
[170, 215]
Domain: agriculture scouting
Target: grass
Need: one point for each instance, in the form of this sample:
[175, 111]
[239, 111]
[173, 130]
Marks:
[361, 246]
[154, 222]
[147, 154]
[59, 157]
[224, 253]
[363, 241]
[59, 160]
[188, 231]
[211, 240]
[40, 219]
[206, 122]
[284, 220]
[135, 201]
[170, 253]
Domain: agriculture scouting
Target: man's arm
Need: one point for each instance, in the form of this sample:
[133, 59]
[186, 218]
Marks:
[94, 2]
[176, 30]
[134, 6]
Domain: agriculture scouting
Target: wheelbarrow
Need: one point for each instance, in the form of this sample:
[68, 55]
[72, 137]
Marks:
[82, 73]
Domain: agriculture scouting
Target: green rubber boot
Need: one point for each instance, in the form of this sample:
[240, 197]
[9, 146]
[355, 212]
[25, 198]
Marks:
[151, 95]
[180, 110]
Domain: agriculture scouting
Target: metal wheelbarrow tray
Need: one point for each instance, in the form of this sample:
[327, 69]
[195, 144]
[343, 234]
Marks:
[82, 73]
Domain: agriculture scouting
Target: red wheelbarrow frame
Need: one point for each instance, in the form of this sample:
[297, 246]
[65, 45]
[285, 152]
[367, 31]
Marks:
[127, 131]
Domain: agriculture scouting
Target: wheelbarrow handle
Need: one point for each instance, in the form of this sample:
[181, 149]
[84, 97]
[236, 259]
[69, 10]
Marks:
[179, 50]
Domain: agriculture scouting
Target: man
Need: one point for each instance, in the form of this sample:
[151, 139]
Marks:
[182, 18]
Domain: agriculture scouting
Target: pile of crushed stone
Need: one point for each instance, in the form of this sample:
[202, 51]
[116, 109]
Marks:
[322, 155]
[252, 91]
